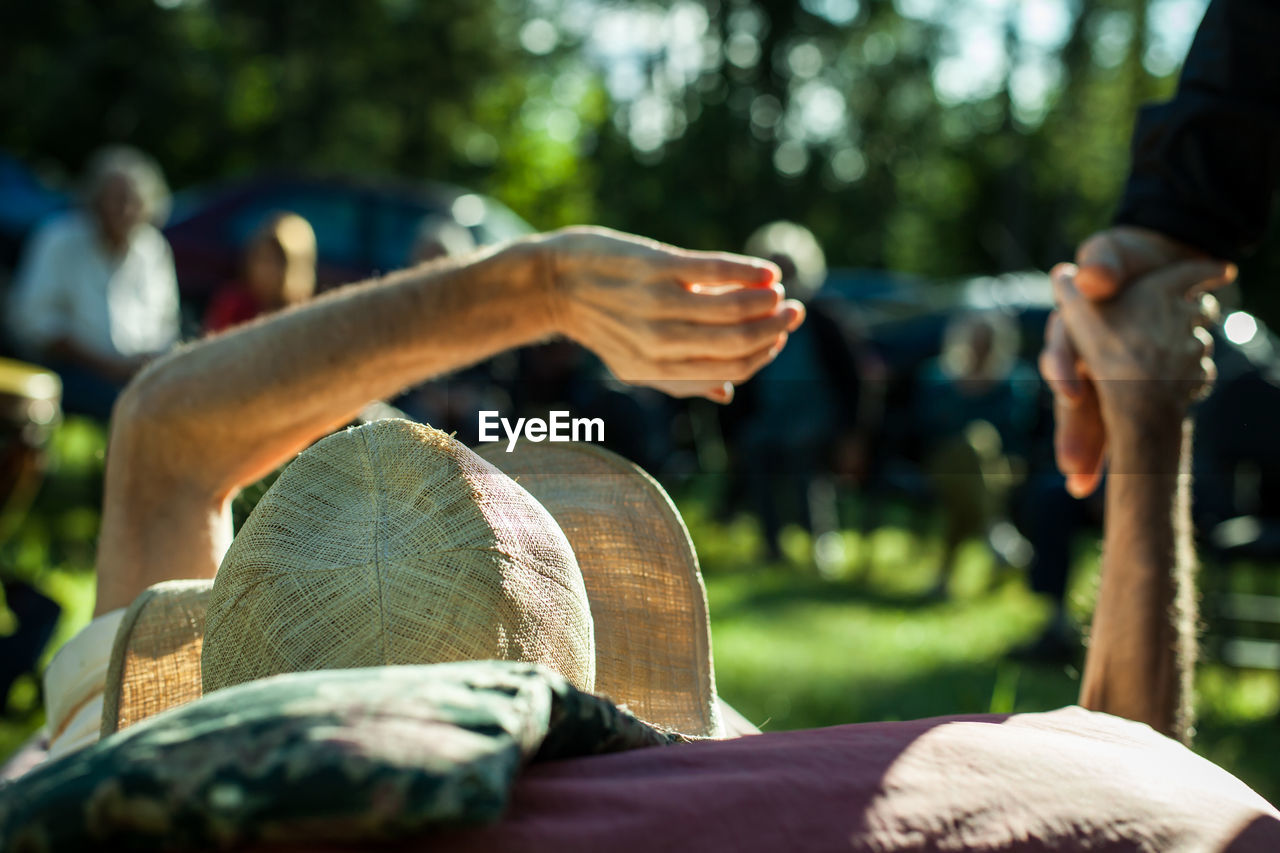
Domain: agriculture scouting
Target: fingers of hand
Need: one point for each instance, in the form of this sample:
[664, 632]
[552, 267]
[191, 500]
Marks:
[1065, 289]
[1210, 310]
[674, 301]
[1189, 277]
[698, 376]
[1203, 343]
[1102, 266]
[1058, 361]
[1209, 375]
[798, 313]
[1080, 486]
[1111, 259]
[716, 392]
[670, 340]
[1080, 441]
[720, 268]
[1208, 370]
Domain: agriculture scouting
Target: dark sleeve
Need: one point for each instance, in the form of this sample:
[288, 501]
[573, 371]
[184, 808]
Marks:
[1206, 164]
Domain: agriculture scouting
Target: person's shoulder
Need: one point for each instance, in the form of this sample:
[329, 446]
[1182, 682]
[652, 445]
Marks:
[151, 240]
[55, 242]
[62, 231]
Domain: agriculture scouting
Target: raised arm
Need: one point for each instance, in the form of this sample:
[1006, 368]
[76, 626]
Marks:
[198, 425]
[1146, 353]
[1205, 169]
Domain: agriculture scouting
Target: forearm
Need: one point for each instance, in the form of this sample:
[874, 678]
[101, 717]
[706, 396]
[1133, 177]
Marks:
[273, 387]
[1142, 644]
[200, 423]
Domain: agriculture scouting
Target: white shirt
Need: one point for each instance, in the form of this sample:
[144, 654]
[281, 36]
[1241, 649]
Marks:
[70, 286]
[75, 684]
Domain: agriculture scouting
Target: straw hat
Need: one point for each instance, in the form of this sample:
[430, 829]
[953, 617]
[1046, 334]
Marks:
[393, 543]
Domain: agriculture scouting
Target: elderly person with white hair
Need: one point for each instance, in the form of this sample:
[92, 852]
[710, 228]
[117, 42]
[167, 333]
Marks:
[96, 296]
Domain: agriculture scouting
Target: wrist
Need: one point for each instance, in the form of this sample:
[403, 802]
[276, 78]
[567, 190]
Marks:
[1147, 438]
[1139, 412]
[537, 261]
[527, 267]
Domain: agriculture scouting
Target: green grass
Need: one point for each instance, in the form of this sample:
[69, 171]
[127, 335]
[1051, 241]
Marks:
[53, 548]
[792, 649]
[795, 650]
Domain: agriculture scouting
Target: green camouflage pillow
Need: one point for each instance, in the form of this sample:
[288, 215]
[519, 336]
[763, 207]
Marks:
[360, 754]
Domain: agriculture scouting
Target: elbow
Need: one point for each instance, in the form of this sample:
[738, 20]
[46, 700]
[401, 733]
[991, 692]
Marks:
[133, 428]
[136, 409]
[148, 429]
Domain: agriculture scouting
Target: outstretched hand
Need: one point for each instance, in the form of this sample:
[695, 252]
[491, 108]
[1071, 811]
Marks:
[1106, 264]
[686, 323]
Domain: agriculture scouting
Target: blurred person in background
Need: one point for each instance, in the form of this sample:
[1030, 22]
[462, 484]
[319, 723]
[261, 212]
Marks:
[809, 413]
[96, 296]
[279, 271]
[440, 237]
[976, 408]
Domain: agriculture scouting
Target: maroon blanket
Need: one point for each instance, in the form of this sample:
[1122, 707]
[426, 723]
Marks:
[1064, 780]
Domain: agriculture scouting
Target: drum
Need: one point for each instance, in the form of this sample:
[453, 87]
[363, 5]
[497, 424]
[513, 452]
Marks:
[30, 410]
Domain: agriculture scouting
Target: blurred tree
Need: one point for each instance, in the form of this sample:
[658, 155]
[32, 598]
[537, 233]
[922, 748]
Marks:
[929, 137]
[944, 138]
[219, 87]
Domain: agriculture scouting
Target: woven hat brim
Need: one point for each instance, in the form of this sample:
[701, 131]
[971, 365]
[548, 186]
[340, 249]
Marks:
[648, 601]
[155, 659]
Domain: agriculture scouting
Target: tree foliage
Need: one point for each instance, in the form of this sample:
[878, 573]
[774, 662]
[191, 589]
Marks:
[840, 114]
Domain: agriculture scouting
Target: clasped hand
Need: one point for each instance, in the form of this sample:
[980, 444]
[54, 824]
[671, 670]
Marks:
[1127, 344]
